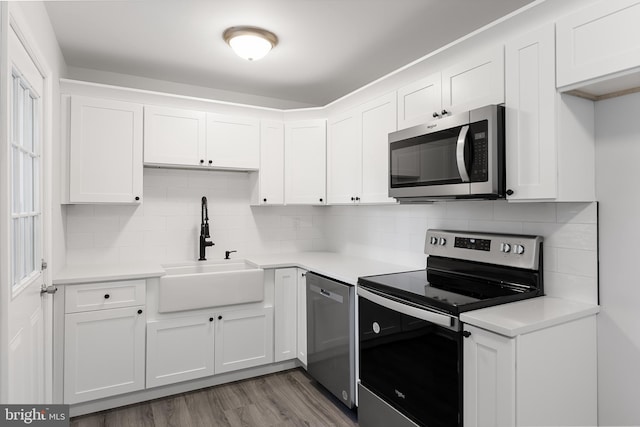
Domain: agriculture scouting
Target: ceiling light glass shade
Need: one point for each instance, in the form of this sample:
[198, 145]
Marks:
[250, 42]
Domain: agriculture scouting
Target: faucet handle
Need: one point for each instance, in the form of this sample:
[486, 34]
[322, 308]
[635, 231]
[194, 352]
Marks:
[227, 253]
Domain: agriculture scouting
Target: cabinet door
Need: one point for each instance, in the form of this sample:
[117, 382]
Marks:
[598, 41]
[344, 158]
[302, 316]
[104, 353]
[105, 151]
[173, 136]
[531, 154]
[271, 175]
[286, 300]
[305, 162]
[489, 379]
[378, 119]
[233, 142]
[420, 102]
[244, 339]
[179, 349]
[474, 83]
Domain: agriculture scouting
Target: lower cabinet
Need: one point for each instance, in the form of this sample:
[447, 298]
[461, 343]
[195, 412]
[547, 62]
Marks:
[541, 378]
[302, 316]
[291, 314]
[104, 353]
[180, 349]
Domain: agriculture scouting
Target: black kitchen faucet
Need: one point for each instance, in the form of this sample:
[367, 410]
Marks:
[204, 230]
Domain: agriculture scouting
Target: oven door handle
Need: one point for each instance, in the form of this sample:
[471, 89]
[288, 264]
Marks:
[460, 148]
[429, 316]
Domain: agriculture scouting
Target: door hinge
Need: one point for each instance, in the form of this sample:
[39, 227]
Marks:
[43, 266]
[44, 289]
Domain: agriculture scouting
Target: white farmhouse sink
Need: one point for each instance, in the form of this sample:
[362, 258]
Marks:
[195, 285]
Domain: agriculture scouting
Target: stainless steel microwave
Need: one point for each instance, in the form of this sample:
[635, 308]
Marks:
[459, 156]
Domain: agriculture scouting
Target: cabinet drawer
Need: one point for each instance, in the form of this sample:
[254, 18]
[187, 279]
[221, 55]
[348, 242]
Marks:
[100, 296]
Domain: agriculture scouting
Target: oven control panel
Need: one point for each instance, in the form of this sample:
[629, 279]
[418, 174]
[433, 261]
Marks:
[512, 250]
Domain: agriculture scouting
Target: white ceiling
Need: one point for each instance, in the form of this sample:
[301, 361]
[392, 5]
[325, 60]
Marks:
[327, 48]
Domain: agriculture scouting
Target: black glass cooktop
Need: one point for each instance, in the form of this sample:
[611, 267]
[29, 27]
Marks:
[454, 287]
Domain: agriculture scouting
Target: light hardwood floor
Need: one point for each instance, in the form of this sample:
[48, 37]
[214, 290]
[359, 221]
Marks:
[285, 399]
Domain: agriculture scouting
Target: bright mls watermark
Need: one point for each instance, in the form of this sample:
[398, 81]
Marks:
[34, 415]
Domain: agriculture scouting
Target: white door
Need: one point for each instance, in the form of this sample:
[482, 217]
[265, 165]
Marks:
[26, 314]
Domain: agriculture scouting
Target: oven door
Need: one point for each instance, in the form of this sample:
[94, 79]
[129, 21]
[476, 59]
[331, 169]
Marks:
[410, 359]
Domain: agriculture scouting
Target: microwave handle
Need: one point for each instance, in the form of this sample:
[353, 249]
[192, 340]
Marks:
[460, 148]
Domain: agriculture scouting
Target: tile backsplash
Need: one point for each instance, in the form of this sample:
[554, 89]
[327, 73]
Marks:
[166, 226]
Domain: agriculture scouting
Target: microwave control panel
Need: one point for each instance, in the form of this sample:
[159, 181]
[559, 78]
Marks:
[479, 171]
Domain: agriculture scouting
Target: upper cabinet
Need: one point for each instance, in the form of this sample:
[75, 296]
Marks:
[193, 138]
[598, 48]
[305, 162]
[233, 142]
[268, 184]
[358, 153]
[105, 151]
[473, 83]
[549, 138]
[174, 136]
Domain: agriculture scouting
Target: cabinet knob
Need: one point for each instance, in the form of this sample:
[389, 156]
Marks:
[139, 311]
[201, 161]
[137, 198]
[106, 296]
[436, 115]
[509, 192]
[353, 198]
[210, 319]
[210, 162]
[321, 199]
[264, 200]
[445, 112]
[466, 334]
[219, 317]
[357, 199]
[304, 274]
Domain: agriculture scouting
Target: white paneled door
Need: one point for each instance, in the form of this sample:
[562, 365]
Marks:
[25, 359]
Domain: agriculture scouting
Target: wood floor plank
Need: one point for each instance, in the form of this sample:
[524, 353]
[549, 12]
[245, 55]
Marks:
[284, 399]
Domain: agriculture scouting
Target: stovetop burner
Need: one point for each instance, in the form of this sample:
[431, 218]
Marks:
[466, 271]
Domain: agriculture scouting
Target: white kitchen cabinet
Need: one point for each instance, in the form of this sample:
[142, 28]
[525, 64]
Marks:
[243, 339]
[174, 136]
[420, 101]
[475, 82]
[268, 183]
[180, 349]
[358, 153]
[549, 138]
[105, 151]
[104, 353]
[599, 45]
[233, 142]
[542, 378]
[285, 306]
[305, 162]
[302, 316]
[344, 158]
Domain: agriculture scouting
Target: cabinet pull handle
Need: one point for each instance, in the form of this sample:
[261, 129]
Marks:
[357, 199]
[466, 334]
[509, 192]
[137, 198]
[436, 115]
[210, 162]
[219, 317]
[139, 311]
[304, 274]
[106, 296]
[201, 161]
[445, 112]
[210, 319]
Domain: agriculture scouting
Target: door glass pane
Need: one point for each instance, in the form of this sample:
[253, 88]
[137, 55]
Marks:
[28, 246]
[15, 188]
[15, 231]
[27, 185]
[36, 184]
[28, 121]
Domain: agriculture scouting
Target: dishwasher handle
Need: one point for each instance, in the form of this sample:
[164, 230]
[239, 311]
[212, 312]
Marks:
[327, 294]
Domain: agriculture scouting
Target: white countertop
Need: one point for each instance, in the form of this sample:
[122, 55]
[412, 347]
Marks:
[526, 316]
[75, 274]
[341, 267]
[338, 266]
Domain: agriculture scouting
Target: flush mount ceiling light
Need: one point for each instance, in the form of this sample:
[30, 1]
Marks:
[250, 43]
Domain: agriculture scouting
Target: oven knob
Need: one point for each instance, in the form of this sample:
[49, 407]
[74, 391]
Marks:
[518, 249]
[442, 241]
[434, 241]
[376, 327]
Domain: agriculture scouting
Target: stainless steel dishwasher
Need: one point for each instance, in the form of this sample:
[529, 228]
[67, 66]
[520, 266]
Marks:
[331, 336]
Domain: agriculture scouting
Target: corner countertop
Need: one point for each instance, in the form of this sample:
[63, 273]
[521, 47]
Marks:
[338, 266]
[526, 316]
[341, 267]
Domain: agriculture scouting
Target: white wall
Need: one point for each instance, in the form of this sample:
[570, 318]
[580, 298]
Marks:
[166, 226]
[396, 234]
[617, 159]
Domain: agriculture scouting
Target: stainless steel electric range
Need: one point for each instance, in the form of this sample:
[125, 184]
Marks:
[410, 337]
